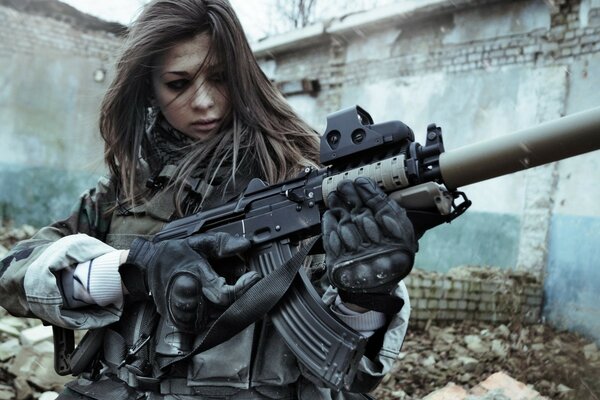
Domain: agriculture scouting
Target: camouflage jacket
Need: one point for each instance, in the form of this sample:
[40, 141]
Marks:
[255, 359]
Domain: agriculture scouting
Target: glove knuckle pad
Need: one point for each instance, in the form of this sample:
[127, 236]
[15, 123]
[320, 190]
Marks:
[185, 285]
[334, 201]
[351, 278]
[333, 243]
[350, 236]
[392, 226]
[371, 230]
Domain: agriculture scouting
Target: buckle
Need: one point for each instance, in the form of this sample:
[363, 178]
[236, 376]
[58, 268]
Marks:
[141, 342]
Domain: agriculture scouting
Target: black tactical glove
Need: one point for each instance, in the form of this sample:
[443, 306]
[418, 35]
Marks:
[370, 244]
[179, 278]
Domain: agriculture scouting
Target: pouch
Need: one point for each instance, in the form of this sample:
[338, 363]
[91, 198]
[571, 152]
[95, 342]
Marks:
[105, 388]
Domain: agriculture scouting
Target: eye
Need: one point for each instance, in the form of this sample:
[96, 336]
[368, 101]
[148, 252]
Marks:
[177, 84]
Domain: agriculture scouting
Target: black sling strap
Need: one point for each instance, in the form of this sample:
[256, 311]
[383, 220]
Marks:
[251, 306]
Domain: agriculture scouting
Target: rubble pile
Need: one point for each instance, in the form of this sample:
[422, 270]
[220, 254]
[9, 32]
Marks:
[498, 386]
[27, 360]
[558, 365]
[9, 236]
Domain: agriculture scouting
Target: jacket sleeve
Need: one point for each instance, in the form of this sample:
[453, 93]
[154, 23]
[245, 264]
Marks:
[383, 346]
[29, 273]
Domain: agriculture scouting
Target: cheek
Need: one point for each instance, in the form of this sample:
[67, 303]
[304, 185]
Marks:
[170, 103]
[162, 98]
[165, 98]
[224, 100]
[171, 108]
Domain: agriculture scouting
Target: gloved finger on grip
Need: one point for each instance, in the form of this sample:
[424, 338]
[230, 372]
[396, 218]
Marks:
[394, 222]
[399, 228]
[367, 225]
[338, 211]
[350, 235]
[339, 231]
[245, 282]
[336, 202]
[331, 240]
[349, 195]
[219, 245]
[390, 216]
[217, 291]
[370, 194]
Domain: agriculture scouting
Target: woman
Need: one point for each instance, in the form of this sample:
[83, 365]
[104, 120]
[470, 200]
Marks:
[187, 122]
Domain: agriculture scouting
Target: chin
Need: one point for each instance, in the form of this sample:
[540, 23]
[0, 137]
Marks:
[200, 136]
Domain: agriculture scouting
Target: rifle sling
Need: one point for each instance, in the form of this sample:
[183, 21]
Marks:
[251, 306]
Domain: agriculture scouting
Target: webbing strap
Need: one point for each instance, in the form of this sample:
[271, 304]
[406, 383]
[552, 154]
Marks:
[115, 348]
[251, 306]
[118, 353]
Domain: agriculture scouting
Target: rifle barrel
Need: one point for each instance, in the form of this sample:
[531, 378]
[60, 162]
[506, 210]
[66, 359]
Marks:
[551, 141]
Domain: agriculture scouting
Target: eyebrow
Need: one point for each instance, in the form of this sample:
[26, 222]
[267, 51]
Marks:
[180, 73]
[209, 69]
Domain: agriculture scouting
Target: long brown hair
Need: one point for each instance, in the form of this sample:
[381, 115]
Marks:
[281, 142]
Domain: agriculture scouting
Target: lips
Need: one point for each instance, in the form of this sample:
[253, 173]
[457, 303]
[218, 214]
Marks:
[206, 124]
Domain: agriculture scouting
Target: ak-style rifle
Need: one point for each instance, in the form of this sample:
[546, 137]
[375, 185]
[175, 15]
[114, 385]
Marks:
[422, 178]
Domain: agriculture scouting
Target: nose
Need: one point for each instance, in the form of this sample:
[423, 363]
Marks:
[202, 98]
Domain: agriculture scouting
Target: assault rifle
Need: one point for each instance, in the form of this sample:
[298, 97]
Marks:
[422, 178]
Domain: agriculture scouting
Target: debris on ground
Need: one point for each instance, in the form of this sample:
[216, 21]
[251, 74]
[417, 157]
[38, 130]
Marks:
[9, 236]
[27, 360]
[558, 365]
[498, 386]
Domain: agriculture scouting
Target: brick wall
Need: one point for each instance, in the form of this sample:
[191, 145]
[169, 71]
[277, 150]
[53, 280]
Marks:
[420, 48]
[24, 33]
[561, 34]
[474, 294]
[53, 75]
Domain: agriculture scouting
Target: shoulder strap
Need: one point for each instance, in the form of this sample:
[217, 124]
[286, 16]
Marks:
[252, 306]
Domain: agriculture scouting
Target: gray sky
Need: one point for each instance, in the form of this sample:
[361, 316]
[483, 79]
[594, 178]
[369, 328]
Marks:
[254, 14]
[259, 17]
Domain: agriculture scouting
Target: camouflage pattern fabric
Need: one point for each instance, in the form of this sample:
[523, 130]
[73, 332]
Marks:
[90, 215]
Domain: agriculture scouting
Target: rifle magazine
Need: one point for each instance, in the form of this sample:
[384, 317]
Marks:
[327, 347]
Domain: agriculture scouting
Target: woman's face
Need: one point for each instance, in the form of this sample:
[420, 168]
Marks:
[190, 90]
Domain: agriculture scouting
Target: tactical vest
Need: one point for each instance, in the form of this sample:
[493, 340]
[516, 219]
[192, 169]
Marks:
[256, 363]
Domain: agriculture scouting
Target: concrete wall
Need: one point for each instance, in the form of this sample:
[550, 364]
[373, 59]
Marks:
[52, 78]
[480, 70]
